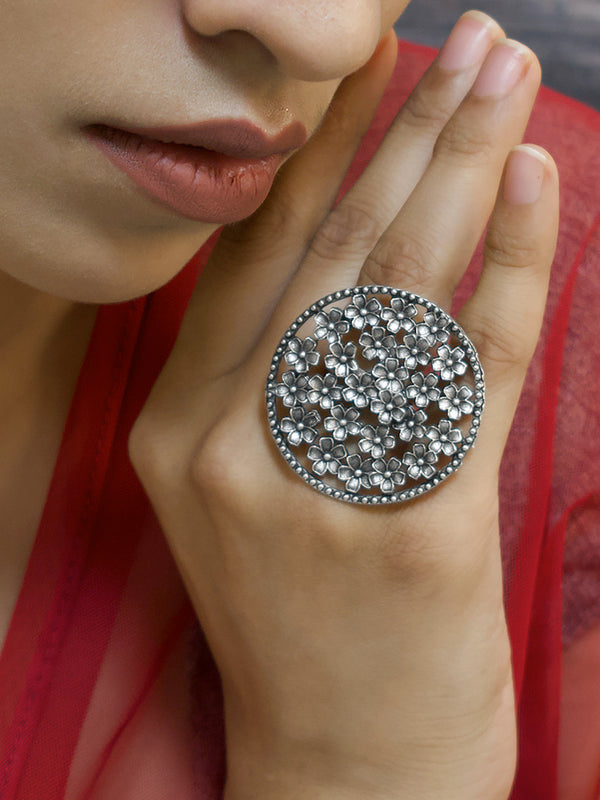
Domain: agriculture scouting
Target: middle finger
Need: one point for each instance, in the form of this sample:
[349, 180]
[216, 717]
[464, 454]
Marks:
[375, 198]
[429, 244]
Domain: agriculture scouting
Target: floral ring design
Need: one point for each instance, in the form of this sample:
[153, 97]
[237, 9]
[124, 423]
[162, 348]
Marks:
[374, 395]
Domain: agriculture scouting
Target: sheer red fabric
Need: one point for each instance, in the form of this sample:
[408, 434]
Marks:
[107, 687]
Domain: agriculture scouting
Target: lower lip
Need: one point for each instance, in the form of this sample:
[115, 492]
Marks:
[196, 183]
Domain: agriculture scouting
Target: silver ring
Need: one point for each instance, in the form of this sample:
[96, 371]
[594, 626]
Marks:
[374, 395]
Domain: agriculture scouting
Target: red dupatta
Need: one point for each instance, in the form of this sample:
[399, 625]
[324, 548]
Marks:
[107, 688]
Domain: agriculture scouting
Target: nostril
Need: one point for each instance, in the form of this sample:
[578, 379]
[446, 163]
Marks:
[310, 40]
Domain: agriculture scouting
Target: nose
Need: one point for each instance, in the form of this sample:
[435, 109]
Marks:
[311, 40]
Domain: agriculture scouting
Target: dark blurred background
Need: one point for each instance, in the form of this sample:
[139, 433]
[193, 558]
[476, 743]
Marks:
[565, 35]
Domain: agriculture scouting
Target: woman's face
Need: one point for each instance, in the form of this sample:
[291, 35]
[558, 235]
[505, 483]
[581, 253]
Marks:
[75, 219]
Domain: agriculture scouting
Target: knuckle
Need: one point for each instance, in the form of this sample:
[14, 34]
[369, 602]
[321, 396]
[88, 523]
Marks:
[469, 144]
[500, 345]
[215, 469]
[347, 228]
[425, 111]
[507, 248]
[406, 260]
[140, 449]
[154, 454]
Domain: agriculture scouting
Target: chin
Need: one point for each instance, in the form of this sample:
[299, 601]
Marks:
[107, 272]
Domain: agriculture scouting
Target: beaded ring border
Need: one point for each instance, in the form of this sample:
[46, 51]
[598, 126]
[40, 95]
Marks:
[274, 390]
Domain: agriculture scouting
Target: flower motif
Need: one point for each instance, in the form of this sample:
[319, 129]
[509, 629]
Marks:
[324, 390]
[449, 362]
[356, 474]
[302, 354]
[414, 350]
[399, 315]
[293, 389]
[331, 325]
[456, 401]
[327, 456]
[434, 327]
[390, 375]
[300, 426]
[377, 344]
[423, 389]
[420, 462]
[359, 389]
[342, 423]
[411, 426]
[387, 474]
[342, 359]
[444, 437]
[376, 441]
[363, 312]
[389, 407]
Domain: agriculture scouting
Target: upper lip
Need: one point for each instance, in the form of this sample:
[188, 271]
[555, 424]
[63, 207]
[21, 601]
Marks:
[232, 137]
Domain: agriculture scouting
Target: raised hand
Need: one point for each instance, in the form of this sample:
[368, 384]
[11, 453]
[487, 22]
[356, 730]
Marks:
[363, 651]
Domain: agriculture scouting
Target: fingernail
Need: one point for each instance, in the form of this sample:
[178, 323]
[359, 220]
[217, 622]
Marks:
[524, 175]
[502, 70]
[469, 41]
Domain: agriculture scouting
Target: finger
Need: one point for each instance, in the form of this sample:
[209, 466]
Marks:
[504, 315]
[306, 187]
[253, 260]
[384, 186]
[353, 228]
[430, 244]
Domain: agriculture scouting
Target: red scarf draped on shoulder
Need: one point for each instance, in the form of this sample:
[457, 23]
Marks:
[107, 687]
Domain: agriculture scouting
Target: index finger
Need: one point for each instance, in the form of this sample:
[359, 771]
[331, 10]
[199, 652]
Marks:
[402, 158]
[254, 260]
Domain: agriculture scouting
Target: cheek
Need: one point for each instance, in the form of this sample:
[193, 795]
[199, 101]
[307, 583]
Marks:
[82, 263]
[312, 102]
[390, 11]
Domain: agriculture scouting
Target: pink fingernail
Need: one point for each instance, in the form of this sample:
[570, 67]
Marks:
[468, 42]
[504, 67]
[524, 175]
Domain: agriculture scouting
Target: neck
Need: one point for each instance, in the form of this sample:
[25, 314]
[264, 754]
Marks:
[41, 342]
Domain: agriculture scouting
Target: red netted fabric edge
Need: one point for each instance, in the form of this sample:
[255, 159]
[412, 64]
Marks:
[86, 544]
[41, 618]
[535, 601]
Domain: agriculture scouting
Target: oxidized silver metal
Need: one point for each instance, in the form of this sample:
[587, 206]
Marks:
[374, 395]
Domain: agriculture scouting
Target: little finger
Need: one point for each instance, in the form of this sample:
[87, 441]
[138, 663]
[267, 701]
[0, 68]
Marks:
[504, 315]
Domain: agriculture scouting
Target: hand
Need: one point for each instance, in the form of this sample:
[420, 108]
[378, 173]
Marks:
[363, 651]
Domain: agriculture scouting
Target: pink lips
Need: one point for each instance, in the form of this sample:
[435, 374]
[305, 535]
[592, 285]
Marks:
[217, 172]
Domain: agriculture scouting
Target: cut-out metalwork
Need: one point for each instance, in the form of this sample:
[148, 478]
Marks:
[374, 395]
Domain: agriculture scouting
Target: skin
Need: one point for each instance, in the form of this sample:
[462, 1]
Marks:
[415, 671]
[64, 240]
[221, 59]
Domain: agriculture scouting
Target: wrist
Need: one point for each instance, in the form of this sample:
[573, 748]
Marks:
[263, 781]
[268, 766]
[263, 766]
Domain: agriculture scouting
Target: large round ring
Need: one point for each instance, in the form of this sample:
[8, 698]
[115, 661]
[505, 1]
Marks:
[374, 395]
